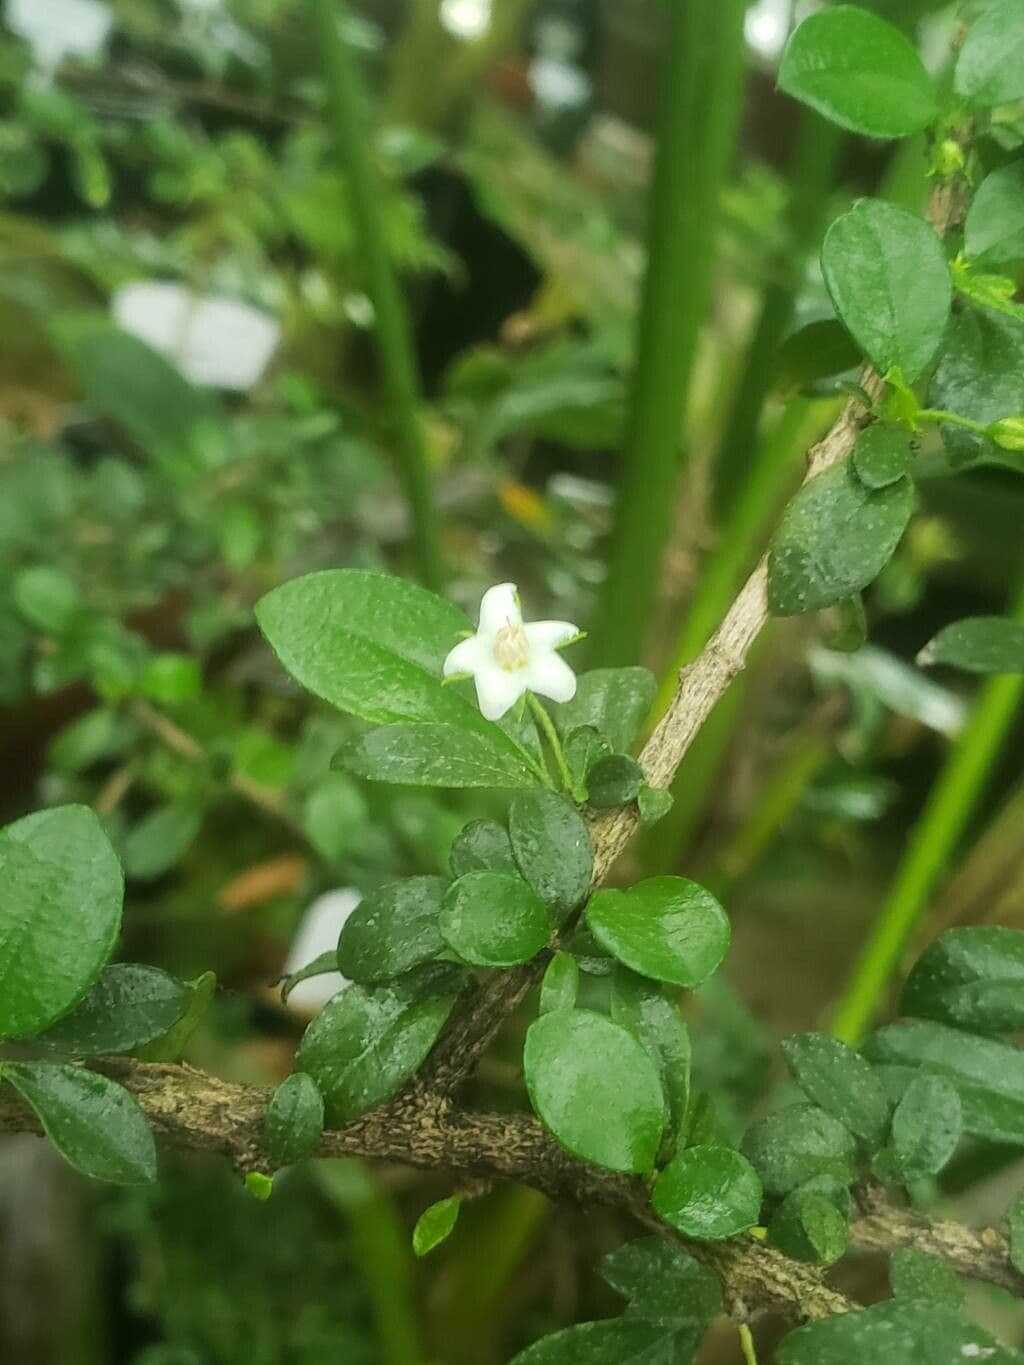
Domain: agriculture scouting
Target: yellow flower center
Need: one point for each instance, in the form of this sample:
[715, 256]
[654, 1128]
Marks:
[511, 647]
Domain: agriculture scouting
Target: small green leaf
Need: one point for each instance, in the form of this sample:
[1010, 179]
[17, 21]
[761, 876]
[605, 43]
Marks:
[583, 747]
[886, 272]
[654, 803]
[979, 644]
[896, 1332]
[972, 977]
[259, 1186]
[990, 67]
[435, 1225]
[655, 1021]
[667, 928]
[994, 231]
[128, 1007]
[324, 964]
[552, 848]
[709, 1193]
[809, 1227]
[1016, 1229]
[367, 1041]
[170, 1047]
[926, 1127]
[98, 735]
[171, 678]
[46, 598]
[663, 1284]
[294, 1120]
[159, 841]
[594, 1086]
[859, 72]
[797, 1143]
[614, 781]
[96, 1125]
[494, 919]
[919, 1275]
[980, 376]
[561, 983]
[834, 538]
[882, 455]
[61, 891]
[614, 701]
[482, 846]
[433, 755]
[821, 350]
[392, 930]
[841, 1082]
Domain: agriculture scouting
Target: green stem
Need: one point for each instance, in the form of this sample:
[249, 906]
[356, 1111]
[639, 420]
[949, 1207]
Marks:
[953, 798]
[393, 334]
[701, 97]
[951, 419]
[747, 1345]
[554, 744]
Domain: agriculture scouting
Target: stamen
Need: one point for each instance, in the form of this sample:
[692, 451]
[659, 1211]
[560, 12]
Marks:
[511, 647]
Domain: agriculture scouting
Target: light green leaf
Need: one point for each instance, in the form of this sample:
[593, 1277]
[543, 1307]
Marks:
[926, 1127]
[798, 1143]
[435, 1225]
[972, 977]
[482, 846]
[841, 1082]
[561, 983]
[434, 755]
[896, 1332]
[654, 803]
[170, 1047]
[886, 272]
[979, 644]
[171, 678]
[882, 455]
[980, 376]
[834, 538]
[612, 700]
[61, 891]
[393, 929]
[129, 1006]
[809, 1227]
[95, 1124]
[552, 848]
[859, 72]
[709, 1193]
[335, 816]
[494, 919]
[990, 67]
[160, 840]
[994, 231]
[294, 1121]
[594, 1086]
[98, 735]
[667, 928]
[46, 598]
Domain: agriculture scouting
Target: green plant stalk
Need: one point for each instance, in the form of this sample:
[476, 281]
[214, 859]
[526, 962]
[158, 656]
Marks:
[701, 97]
[393, 334]
[932, 844]
[547, 725]
[747, 1345]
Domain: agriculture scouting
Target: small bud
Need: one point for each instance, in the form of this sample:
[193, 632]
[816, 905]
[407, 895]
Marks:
[949, 159]
[1008, 433]
[260, 1186]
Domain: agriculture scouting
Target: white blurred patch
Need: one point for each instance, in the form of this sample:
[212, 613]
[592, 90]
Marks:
[557, 84]
[55, 29]
[766, 27]
[217, 343]
[318, 933]
[466, 19]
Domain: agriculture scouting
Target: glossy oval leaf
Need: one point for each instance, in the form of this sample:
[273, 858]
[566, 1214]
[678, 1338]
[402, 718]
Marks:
[972, 978]
[434, 755]
[798, 1143]
[887, 275]
[613, 701]
[978, 644]
[494, 919]
[994, 231]
[882, 455]
[435, 1225]
[61, 892]
[709, 1193]
[95, 1124]
[392, 930]
[594, 1086]
[808, 1227]
[482, 846]
[990, 67]
[841, 1082]
[614, 781]
[129, 1006]
[561, 983]
[294, 1121]
[926, 1127]
[551, 845]
[667, 928]
[860, 72]
[835, 538]
[655, 1021]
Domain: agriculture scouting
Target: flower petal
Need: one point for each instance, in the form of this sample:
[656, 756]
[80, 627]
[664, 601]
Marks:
[499, 607]
[498, 689]
[550, 676]
[467, 656]
[550, 635]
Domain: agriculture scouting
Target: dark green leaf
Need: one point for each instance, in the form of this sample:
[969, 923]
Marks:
[642, 1007]
[96, 1125]
[435, 1225]
[809, 1227]
[620, 1341]
[612, 700]
[294, 1120]
[595, 1087]
[1016, 1230]
[919, 1275]
[820, 350]
[926, 1127]
[990, 67]
[483, 846]
[667, 928]
[971, 977]
[583, 747]
[896, 1333]
[128, 1007]
[834, 538]
[797, 1143]
[61, 891]
[161, 839]
[335, 816]
[979, 644]
[859, 72]
[434, 755]
[494, 919]
[841, 1082]
[994, 232]
[708, 1192]
[561, 983]
[614, 781]
[367, 1042]
[887, 275]
[552, 848]
[170, 1047]
[392, 930]
[881, 456]
[664, 1285]
[980, 375]
[46, 597]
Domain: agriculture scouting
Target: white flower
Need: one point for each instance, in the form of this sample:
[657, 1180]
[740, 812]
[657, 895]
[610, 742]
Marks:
[508, 658]
[317, 934]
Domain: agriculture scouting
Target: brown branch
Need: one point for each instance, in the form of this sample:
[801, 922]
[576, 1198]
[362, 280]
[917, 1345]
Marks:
[983, 1255]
